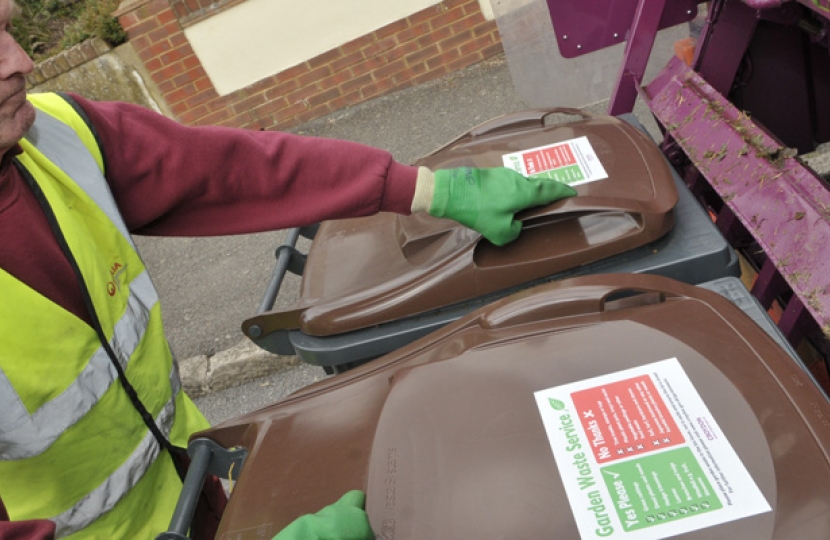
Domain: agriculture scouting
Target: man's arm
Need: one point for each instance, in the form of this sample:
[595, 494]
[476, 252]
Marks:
[173, 180]
[170, 179]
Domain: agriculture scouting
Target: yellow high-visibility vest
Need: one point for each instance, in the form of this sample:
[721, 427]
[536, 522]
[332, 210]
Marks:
[73, 448]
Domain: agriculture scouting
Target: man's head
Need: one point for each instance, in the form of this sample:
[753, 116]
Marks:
[16, 114]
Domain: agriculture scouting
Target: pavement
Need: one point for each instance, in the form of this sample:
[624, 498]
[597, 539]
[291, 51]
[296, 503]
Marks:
[208, 286]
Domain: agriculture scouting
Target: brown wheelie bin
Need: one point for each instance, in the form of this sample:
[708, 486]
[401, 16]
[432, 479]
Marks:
[618, 405]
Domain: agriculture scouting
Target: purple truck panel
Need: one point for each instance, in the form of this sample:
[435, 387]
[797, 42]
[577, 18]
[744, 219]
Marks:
[584, 26]
[781, 202]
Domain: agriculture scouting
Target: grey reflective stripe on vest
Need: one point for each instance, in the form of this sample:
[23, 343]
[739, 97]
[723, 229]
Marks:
[23, 435]
[103, 498]
[59, 142]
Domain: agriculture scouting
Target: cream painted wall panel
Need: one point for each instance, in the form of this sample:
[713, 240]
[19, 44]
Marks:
[259, 38]
[486, 9]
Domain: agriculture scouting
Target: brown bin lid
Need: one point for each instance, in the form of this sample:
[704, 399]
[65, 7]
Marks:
[367, 271]
[446, 438]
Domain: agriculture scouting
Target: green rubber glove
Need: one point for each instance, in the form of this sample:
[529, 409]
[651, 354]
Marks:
[343, 520]
[484, 199]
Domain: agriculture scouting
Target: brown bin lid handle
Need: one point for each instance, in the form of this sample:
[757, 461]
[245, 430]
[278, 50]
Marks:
[525, 119]
[529, 119]
[588, 295]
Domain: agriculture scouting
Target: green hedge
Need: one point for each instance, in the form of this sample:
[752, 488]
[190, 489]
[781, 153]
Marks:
[47, 27]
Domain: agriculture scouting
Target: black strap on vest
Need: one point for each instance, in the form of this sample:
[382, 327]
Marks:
[163, 441]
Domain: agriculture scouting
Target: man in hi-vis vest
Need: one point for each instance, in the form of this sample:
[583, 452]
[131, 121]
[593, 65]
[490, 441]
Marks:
[91, 407]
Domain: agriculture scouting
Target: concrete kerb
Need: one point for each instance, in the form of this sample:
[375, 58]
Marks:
[204, 374]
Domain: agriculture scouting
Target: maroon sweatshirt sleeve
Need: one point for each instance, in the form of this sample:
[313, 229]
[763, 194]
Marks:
[170, 179]
[40, 529]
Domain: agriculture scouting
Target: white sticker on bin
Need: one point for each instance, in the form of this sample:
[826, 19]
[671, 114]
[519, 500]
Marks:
[572, 162]
[641, 456]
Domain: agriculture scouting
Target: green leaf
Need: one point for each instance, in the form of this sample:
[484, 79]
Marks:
[556, 404]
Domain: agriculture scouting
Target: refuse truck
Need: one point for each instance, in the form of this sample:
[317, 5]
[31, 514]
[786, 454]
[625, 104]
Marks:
[648, 360]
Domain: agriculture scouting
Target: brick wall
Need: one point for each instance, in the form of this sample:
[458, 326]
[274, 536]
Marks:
[434, 42]
[68, 59]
